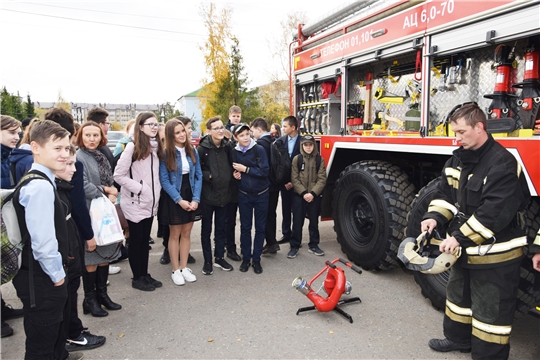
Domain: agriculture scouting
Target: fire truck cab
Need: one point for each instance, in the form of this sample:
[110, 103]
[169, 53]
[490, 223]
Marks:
[375, 82]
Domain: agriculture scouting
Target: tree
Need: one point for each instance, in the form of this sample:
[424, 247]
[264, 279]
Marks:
[62, 103]
[274, 100]
[216, 57]
[169, 112]
[28, 107]
[280, 45]
[11, 105]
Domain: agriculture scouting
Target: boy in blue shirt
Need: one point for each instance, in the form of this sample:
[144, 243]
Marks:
[41, 281]
[251, 169]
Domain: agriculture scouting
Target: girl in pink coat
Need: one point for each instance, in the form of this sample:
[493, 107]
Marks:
[137, 172]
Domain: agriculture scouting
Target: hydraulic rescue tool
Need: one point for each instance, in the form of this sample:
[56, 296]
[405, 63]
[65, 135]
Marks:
[335, 285]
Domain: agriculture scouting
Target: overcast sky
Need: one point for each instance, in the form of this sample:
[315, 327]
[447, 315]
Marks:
[98, 51]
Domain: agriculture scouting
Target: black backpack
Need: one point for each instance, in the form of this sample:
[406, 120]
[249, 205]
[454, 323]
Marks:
[280, 163]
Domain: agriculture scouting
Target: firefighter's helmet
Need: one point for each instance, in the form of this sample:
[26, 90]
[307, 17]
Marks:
[423, 254]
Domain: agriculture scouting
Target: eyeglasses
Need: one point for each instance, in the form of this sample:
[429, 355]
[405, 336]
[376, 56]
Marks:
[152, 125]
[221, 128]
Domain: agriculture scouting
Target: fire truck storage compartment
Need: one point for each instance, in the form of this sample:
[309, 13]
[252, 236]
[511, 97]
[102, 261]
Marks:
[522, 22]
[315, 114]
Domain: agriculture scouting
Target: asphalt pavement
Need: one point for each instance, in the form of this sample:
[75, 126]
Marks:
[244, 315]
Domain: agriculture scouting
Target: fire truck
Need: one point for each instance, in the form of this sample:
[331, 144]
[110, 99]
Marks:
[375, 82]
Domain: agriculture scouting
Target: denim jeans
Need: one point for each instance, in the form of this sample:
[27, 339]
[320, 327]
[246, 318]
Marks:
[219, 231]
[300, 209]
[248, 205]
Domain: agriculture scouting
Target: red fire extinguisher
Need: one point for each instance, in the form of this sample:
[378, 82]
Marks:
[503, 96]
[529, 100]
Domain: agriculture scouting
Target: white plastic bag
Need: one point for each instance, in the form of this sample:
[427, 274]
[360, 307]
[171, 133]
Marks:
[105, 222]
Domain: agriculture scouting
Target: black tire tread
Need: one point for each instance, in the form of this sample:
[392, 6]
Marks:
[398, 195]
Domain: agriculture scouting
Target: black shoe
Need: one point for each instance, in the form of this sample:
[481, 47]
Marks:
[315, 250]
[165, 258]
[223, 264]
[233, 255]
[284, 240]
[153, 281]
[272, 249]
[142, 284]
[85, 341]
[445, 345]
[151, 241]
[292, 253]
[191, 259]
[245, 266]
[257, 267]
[6, 329]
[10, 313]
[207, 268]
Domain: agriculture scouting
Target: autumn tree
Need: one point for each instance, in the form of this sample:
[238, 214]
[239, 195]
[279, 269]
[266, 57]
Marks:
[226, 84]
[62, 103]
[275, 100]
[215, 54]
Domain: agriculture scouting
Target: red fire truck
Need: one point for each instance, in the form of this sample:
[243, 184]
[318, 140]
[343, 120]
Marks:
[375, 82]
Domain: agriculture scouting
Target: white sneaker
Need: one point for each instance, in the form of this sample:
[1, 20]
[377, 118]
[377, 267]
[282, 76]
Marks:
[188, 275]
[114, 269]
[177, 278]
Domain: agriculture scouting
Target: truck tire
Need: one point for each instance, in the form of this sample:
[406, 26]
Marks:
[434, 286]
[370, 205]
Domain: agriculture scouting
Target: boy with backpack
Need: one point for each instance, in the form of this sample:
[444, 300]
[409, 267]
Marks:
[251, 169]
[308, 176]
[41, 280]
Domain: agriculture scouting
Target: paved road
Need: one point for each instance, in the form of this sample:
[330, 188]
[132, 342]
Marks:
[244, 315]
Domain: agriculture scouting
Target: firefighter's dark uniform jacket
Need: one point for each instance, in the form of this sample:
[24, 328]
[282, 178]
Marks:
[480, 195]
[216, 170]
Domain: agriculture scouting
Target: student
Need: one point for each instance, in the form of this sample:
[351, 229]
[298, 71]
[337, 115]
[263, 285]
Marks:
[137, 172]
[275, 131]
[10, 137]
[214, 152]
[76, 339]
[181, 178]
[251, 169]
[162, 216]
[309, 179]
[98, 181]
[289, 147]
[259, 129]
[235, 115]
[45, 256]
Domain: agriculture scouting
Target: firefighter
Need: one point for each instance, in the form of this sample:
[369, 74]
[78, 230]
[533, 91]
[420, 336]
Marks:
[481, 196]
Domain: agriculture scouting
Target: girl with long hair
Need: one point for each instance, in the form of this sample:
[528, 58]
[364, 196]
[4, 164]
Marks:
[181, 177]
[137, 172]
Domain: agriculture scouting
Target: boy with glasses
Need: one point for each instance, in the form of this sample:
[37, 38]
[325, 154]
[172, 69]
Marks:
[216, 194]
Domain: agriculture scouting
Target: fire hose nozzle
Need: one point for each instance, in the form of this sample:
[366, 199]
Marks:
[301, 285]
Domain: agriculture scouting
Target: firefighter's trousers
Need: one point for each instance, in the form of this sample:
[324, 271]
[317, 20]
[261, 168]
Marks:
[480, 306]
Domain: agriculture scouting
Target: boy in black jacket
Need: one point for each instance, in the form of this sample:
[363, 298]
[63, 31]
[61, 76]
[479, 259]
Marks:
[251, 169]
[259, 129]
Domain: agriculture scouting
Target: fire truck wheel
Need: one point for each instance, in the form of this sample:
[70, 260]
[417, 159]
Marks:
[370, 205]
[434, 286]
